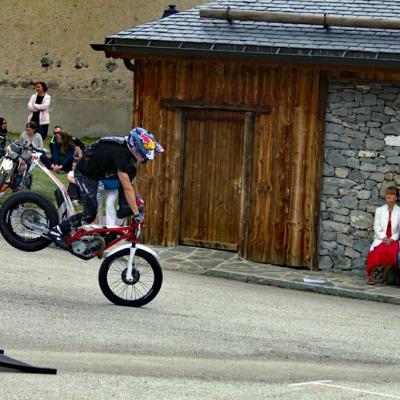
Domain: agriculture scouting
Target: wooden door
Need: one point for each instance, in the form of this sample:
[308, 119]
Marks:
[211, 189]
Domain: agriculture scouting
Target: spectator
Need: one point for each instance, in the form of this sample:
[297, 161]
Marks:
[62, 152]
[79, 145]
[385, 247]
[38, 108]
[30, 137]
[73, 189]
[78, 152]
[3, 135]
[56, 130]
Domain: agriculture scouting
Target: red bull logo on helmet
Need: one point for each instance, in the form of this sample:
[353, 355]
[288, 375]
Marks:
[148, 144]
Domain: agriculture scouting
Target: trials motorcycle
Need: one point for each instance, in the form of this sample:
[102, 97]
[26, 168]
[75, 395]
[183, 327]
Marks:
[10, 177]
[130, 275]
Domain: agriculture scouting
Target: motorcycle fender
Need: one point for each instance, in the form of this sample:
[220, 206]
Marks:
[138, 246]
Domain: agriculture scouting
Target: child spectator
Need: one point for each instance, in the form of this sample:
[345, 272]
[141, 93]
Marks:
[72, 189]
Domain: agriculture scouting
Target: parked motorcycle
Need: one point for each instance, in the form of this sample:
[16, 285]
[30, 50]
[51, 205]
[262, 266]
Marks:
[130, 275]
[10, 177]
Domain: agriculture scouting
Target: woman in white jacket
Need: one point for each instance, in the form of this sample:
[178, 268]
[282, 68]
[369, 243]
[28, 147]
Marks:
[38, 108]
[385, 246]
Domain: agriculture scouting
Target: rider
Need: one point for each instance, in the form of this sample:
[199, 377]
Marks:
[108, 158]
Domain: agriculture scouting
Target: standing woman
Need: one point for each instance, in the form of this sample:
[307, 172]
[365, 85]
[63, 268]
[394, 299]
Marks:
[38, 108]
[384, 249]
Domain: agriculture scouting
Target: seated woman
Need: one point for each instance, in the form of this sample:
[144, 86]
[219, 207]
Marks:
[62, 152]
[30, 137]
[384, 249]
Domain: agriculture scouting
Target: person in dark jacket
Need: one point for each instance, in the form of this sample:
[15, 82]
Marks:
[62, 152]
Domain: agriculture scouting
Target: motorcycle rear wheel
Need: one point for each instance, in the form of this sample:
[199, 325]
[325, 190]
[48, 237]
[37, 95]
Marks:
[22, 216]
[147, 273]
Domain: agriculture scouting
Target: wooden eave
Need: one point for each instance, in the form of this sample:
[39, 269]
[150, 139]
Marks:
[125, 48]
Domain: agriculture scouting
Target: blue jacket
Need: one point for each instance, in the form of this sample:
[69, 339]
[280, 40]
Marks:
[60, 158]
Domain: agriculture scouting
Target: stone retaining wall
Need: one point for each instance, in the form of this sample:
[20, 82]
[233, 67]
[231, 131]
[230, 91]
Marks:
[362, 158]
[49, 40]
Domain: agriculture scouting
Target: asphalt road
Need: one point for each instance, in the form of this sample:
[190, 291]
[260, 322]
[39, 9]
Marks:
[201, 338]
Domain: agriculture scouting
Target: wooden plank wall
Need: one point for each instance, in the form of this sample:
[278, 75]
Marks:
[286, 162]
[211, 203]
[363, 74]
[286, 171]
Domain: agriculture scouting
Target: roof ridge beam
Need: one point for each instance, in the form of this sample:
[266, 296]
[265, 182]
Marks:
[301, 18]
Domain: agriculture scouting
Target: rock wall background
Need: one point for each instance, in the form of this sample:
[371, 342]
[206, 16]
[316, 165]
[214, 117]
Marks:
[49, 40]
[362, 158]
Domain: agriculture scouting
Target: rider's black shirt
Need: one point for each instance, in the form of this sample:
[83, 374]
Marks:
[106, 160]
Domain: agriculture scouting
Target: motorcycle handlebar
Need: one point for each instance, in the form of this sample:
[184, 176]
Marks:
[28, 146]
[31, 147]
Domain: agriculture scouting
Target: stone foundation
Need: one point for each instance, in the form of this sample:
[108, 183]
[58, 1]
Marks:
[362, 158]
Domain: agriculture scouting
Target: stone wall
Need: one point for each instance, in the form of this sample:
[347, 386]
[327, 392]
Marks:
[49, 40]
[362, 158]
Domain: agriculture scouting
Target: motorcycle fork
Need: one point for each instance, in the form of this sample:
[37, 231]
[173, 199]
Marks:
[132, 252]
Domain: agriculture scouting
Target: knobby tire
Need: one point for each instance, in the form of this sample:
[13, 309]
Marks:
[11, 206]
[110, 281]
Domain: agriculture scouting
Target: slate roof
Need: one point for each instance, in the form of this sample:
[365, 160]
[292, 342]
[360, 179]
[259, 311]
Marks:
[186, 34]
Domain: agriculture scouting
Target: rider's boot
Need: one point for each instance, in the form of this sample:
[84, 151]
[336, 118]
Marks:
[58, 237]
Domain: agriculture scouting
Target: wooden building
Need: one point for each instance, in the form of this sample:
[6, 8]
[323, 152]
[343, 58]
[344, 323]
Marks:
[239, 104]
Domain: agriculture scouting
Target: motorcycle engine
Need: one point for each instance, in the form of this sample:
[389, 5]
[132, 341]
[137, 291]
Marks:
[88, 245]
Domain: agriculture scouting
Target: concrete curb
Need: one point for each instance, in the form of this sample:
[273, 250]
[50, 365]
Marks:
[282, 283]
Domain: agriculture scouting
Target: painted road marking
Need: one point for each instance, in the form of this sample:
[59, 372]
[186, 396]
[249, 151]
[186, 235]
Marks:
[309, 383]
[329, 384]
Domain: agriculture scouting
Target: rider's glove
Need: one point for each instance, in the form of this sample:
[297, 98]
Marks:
[140, 203]
[138, 218]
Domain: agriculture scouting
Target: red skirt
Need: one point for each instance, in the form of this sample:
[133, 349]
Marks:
[383, 255]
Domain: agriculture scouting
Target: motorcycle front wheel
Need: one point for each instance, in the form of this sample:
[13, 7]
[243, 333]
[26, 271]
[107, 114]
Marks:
[24, 217]
[147, 276]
